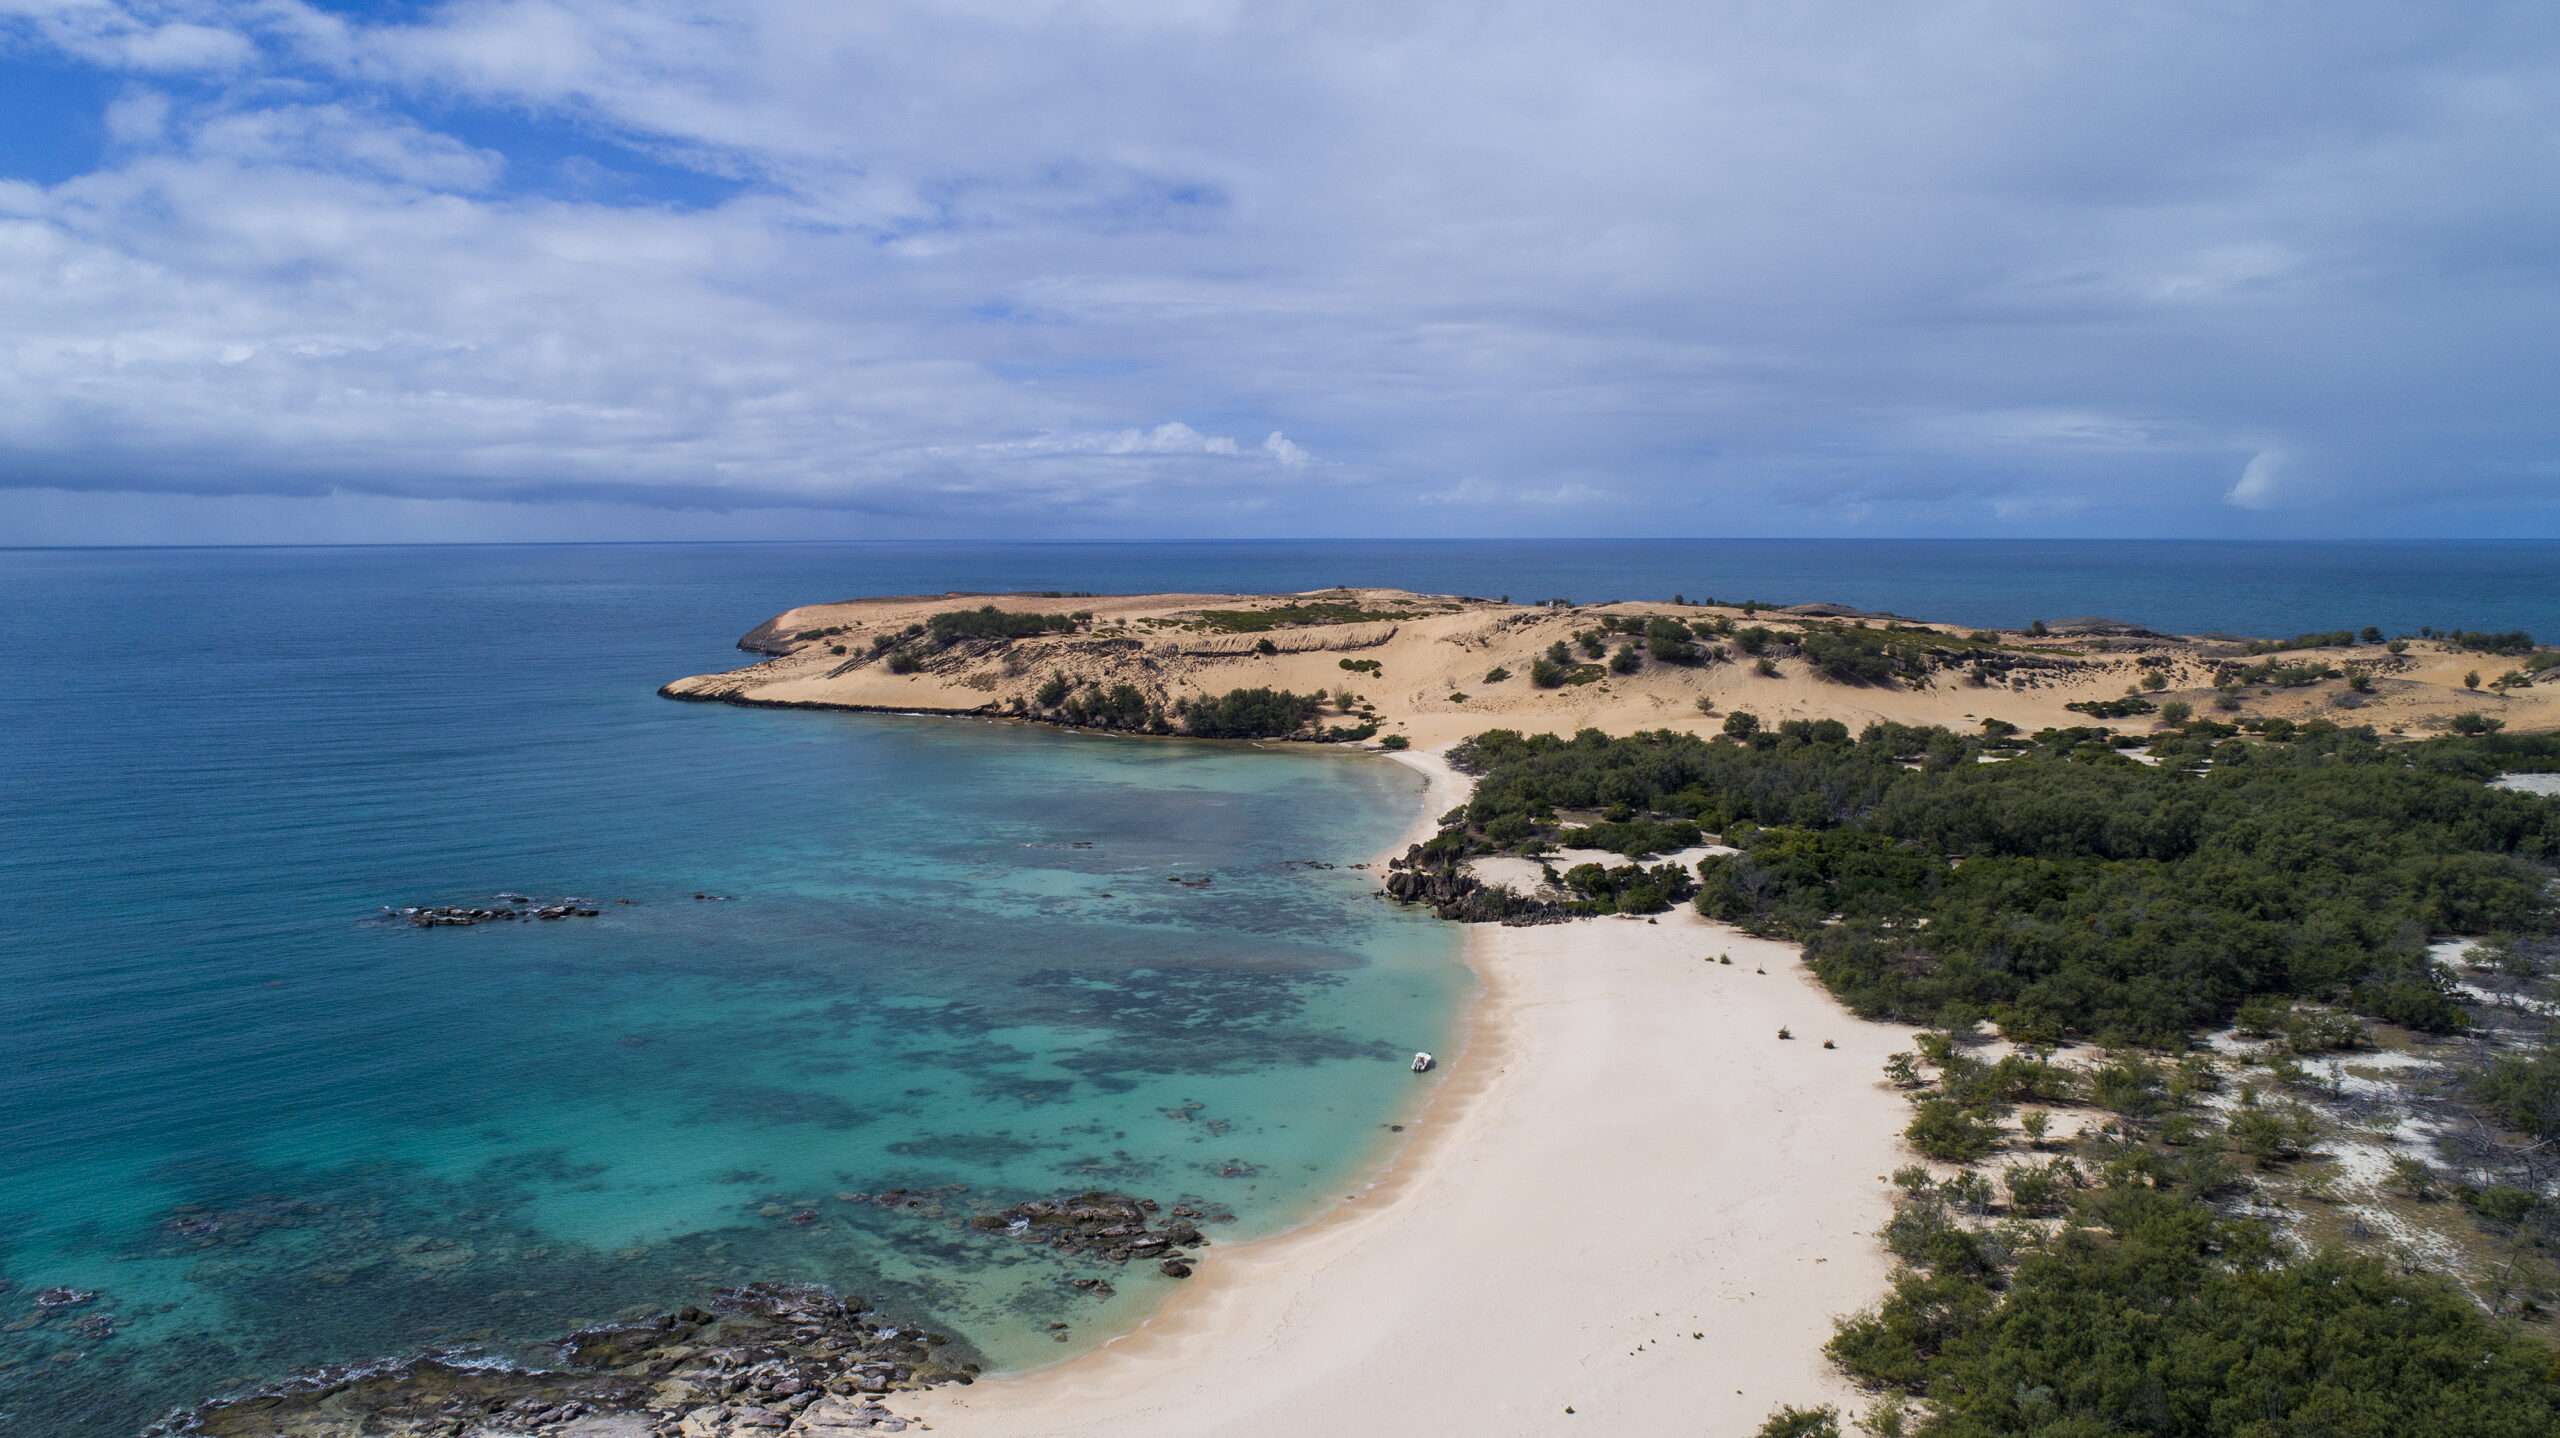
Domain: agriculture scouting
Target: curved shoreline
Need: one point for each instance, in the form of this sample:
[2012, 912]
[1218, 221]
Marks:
[1621, 1156]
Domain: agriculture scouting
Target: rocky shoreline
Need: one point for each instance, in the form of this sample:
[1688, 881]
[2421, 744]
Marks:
[769, 1360]
[1110, 1226]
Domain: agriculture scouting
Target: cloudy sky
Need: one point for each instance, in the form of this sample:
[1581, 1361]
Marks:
[282, 269]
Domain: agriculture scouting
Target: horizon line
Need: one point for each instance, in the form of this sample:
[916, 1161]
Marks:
[1289, 539]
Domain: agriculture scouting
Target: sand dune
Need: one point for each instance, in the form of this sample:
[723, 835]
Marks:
[1424, 665]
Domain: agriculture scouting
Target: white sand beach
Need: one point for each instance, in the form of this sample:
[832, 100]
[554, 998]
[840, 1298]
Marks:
[1626, 1205]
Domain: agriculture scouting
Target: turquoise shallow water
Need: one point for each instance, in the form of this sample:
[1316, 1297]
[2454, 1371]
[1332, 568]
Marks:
[273, 1132]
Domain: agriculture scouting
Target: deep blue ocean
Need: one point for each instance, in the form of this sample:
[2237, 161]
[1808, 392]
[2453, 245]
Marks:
[271, 1131]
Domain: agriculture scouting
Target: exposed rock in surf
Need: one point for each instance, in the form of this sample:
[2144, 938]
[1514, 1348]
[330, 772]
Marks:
[770, 1358]
[463, 916]
[1111, 1226]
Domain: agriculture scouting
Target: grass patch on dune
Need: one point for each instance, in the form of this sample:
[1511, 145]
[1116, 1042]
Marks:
[1292, 615]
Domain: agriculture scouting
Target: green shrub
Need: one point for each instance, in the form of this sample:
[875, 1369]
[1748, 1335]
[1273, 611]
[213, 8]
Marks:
[1789, 1422]
[988, 622]
[2155, 1315]
[1257, 713]
[1670, 642]
[1296, 612]
[2125, 708]
[2502, 1203]
[1122, 706]
[1950, 1132]
[2512, 642]
[2523, 1091]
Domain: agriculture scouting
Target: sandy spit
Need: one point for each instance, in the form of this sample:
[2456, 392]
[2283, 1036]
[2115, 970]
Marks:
[1624, 1196]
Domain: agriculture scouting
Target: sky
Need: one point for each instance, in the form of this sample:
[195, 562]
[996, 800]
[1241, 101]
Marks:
[287, 271]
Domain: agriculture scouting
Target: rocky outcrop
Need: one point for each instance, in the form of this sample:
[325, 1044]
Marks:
[510, 908]
[1110, 1226]
[1442, 882]
[769, 1360]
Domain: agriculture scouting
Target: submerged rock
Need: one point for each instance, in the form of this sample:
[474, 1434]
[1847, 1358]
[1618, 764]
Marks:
[1112, 1226]
[514, 906]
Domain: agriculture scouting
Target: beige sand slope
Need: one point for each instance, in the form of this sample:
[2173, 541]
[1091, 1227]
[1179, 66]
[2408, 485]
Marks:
[1628, 1198]
[1432, 655]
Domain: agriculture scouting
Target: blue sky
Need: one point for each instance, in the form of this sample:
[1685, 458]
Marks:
[560, 269]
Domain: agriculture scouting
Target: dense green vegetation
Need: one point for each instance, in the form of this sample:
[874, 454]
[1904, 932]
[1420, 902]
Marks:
[2109, 1287]
[1672, 642]
[1122, 706]
[988, 622]
[2275, 673]
[2150, 1309]
[1257, 713]
[2069, 891]
[1845, 655]
[2506, 641]
[2149, 1313]
[1281, 616]
[2325, 639]
[1558, 667]
[1635, 838]
[2523, 1090]
[2125, 708]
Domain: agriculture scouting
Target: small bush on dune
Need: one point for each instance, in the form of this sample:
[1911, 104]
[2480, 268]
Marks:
[1792, 1422]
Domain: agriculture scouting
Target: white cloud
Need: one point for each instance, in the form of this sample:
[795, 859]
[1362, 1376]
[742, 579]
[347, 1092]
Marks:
[336, 137]
[2037, 428]
[182, 46]
[1172, 439]
[2261, 480]
[1477, 492]
[138, 117]
[1740, 266]
[139, 36]
[1283, 453]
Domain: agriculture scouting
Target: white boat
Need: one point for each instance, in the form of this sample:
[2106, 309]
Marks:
[1422, 1063]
